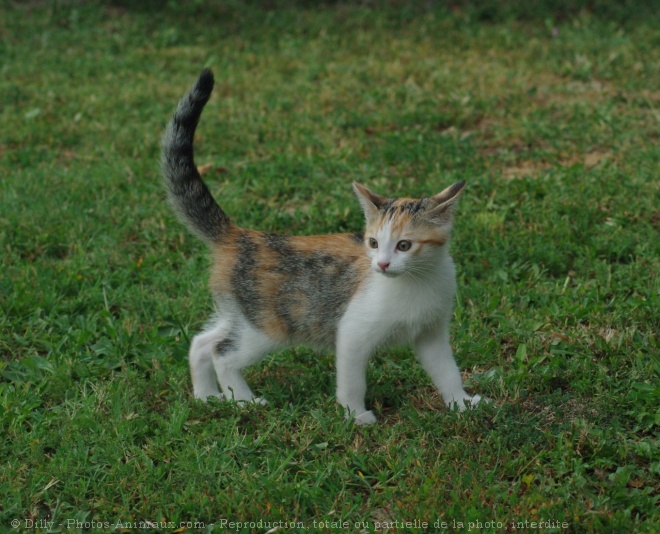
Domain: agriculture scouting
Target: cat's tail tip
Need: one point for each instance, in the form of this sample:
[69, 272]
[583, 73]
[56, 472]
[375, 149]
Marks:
[198, 96]
[205, 83]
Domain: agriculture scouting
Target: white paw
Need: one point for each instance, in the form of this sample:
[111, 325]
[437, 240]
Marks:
[254, 400]
[365, 418]
[203, 396]
[466, 403]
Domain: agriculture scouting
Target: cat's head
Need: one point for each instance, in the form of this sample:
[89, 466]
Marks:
[403, 235]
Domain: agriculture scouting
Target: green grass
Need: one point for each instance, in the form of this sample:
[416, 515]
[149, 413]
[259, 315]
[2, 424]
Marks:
[552, 119]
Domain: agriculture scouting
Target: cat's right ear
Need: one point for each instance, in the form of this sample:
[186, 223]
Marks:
[446, 200]
[370, 201]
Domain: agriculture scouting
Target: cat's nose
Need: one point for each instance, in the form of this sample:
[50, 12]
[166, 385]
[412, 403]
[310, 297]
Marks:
[384, 265]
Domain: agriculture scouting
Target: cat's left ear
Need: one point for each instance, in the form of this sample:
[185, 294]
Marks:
[370, 201]
[442, 213]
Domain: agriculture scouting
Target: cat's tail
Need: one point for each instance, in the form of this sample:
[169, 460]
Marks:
[186, 191]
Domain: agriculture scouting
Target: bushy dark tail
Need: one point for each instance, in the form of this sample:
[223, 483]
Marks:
[186, 191]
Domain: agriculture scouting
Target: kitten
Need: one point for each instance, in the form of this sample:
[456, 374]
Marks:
[393, 285]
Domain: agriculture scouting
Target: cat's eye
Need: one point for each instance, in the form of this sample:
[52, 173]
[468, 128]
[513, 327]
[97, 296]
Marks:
[373, 243]
[404, 245]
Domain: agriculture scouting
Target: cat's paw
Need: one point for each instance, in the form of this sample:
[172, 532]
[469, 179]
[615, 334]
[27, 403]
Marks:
[260, 401]
[466, 403]
[205, 396]
[365, 418]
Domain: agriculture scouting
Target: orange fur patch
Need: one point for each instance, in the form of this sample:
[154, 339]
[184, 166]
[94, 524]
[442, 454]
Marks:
[268, 263]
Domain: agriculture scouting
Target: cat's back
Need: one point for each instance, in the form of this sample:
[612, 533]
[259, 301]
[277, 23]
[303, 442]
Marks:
[295, 288]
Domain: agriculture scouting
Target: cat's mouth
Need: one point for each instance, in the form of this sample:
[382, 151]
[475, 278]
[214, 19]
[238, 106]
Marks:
[388, 273]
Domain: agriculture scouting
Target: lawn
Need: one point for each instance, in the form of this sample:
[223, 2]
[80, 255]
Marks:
[552, 117]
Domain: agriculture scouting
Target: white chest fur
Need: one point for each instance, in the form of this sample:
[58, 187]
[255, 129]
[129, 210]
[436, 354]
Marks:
[394, 310]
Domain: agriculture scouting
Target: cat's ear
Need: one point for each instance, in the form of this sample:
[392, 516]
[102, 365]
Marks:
[370, 201]
[445, 201]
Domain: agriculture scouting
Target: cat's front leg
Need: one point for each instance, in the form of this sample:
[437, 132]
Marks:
[435, 354]
[352, 359]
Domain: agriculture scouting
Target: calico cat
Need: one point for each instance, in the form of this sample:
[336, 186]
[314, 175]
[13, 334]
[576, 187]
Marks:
[353, 293]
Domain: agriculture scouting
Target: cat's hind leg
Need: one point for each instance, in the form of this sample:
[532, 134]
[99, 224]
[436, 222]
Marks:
[435, 354]
[243, 346]
[201, 356]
